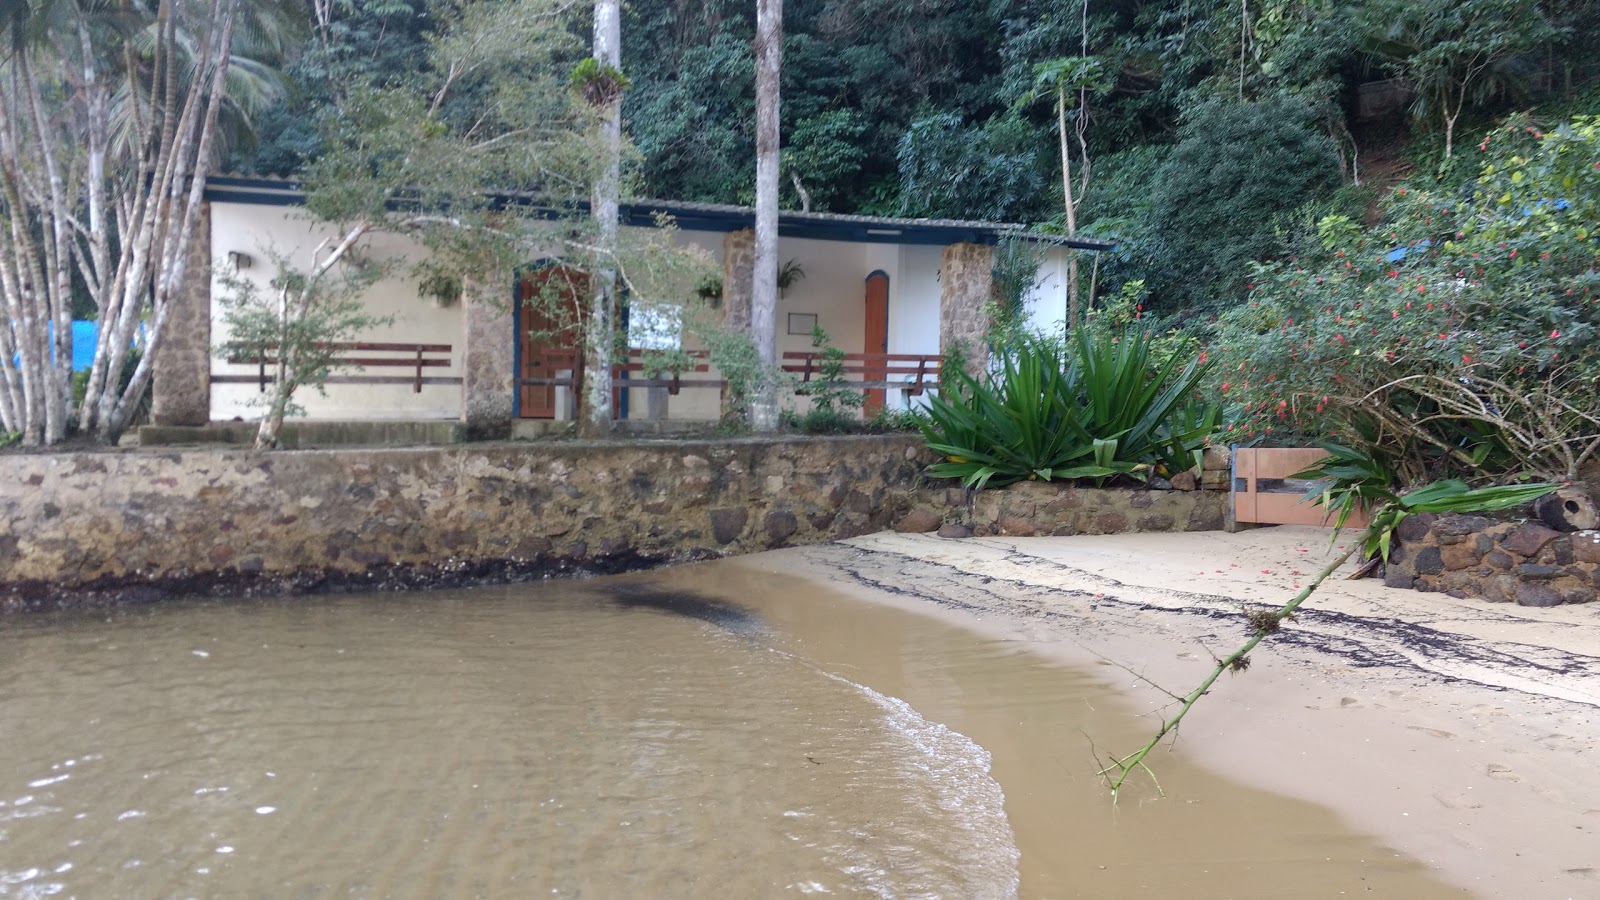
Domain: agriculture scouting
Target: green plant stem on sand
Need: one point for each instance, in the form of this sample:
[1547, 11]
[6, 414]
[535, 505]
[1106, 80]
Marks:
[1117, 773]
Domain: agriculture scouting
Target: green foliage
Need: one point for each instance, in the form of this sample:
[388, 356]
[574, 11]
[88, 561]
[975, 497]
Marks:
[1093, 408]
[1215, 197]
[600, 85]
[834, 404]
[1461, 338]
[1457, 54]
[130, 363]
[1355, 480]
[297, 324]
[949, 168]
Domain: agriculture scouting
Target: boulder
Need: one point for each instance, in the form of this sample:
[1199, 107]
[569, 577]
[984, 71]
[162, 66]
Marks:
[919, 521]
[1185, 481]
[954, 530]
[1529, 539]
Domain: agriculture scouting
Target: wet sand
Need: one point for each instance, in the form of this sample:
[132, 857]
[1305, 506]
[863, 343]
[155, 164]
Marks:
[1461, 733]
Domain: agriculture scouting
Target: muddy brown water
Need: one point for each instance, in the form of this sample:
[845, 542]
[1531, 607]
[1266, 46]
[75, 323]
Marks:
[709, 731]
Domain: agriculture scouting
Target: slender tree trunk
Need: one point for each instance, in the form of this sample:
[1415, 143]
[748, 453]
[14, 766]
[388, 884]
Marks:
[599, 331]
[1071, 208]
[764, 293]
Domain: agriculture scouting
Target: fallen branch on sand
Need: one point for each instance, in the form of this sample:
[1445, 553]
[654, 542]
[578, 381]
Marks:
[1374, 542]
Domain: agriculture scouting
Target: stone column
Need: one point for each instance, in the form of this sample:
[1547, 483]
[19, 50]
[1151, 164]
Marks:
[488, 360]
[738, 279]
[966, 283]
[181, 394]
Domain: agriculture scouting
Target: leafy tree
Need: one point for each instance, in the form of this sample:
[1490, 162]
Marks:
[1460, 337]
[1075, 77]
[296, 327]
[1457, 54]
[951, 169]
[1216, 198]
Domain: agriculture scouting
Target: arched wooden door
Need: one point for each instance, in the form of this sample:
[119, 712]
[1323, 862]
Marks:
[877, 340]
[549, 303]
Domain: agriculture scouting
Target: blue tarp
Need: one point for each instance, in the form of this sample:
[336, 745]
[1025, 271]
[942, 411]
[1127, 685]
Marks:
[85, 337]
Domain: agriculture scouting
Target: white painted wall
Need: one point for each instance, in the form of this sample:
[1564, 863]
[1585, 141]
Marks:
[1046, 304]
[261, 231]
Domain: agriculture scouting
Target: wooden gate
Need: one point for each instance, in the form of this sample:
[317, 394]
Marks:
[1265, 494]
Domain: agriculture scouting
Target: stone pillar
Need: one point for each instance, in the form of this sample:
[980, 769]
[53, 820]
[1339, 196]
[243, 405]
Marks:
[966, 283]
[738, 279]
[181, 394]
[488, 360]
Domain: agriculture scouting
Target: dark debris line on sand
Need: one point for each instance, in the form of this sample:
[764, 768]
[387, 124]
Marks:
[1359, 641]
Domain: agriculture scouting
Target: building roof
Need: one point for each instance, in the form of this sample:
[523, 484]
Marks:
[691, 216]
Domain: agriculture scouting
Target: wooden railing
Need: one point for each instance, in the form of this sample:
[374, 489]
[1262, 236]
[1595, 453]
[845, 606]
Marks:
[416, 357]
[673, 382]
[875, 371]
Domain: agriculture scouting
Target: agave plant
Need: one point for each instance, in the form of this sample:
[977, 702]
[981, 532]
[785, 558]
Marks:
[1096, 407]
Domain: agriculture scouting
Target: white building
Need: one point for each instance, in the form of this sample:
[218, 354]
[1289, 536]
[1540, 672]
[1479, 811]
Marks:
[876, 285]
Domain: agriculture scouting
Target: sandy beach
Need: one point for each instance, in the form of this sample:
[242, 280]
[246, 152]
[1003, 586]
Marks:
[1462, 733]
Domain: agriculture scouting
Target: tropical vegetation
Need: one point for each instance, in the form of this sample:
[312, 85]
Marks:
[1100, 405]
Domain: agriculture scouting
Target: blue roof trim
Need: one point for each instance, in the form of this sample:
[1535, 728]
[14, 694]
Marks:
[710, 217]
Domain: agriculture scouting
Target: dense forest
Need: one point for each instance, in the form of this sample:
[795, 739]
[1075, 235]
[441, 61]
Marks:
[1212, 134]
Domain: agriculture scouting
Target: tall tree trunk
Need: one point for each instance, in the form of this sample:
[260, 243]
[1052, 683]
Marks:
[598, 332]
[764, 293]
[1071, 208]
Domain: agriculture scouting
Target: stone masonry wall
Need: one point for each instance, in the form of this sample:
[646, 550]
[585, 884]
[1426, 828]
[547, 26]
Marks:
[1517, 562]
[966, 284]
[1031, 508]
[108, 526]
[181, 393]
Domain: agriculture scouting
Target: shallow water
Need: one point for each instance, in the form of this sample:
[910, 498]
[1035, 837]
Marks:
[706, 731]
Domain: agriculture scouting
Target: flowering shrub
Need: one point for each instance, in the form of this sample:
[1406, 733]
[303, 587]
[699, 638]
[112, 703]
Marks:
[1460, 338]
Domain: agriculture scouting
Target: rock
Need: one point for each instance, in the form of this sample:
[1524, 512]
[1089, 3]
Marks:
[954, 530]
[1567, 510]
[919, 521]
[1016, 526]
[1216, 480]
[1428, 561]
[1461, 526]
[1498, 559]
[1157, 483]
[1397, 577]
[1586, 547]
[1537, 573]
[1414, 528]
[728, 522]
[1185, 481]
[1458, 556]
[1110, 523]
[781, 525]
[1529, 539]
[1217, 459]
[1158, 522]
[1537, 595]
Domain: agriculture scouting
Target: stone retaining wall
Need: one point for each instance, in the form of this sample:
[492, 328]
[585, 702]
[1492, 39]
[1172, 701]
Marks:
[93, 527]
[1032, 508]
[1516, 562]
[107, 526]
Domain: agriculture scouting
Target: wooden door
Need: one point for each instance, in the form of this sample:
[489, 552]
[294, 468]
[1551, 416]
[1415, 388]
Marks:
[548, 334]
[877, 332]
